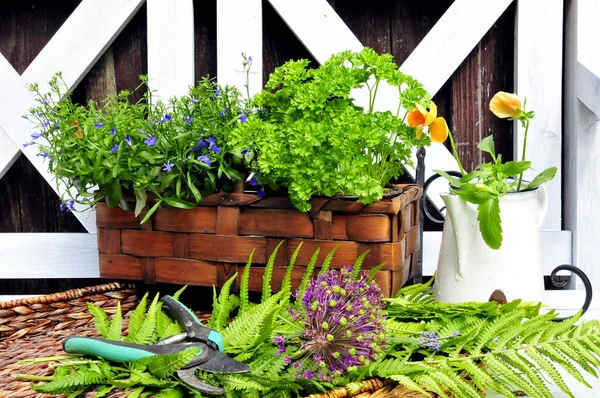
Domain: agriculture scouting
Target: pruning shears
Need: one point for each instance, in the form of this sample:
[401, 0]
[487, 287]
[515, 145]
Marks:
[210, 358]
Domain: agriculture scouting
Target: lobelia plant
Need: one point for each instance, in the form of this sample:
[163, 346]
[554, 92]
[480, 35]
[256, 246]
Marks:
[311, 137]
[485, 185]
[176, 152]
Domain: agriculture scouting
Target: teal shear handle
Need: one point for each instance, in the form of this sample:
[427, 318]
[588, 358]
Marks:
[194, 329]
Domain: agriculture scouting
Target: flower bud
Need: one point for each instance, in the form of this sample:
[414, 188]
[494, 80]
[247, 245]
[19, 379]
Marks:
[330, 338]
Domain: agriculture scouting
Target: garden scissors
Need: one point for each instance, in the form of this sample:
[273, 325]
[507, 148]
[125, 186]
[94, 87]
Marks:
[210, 358]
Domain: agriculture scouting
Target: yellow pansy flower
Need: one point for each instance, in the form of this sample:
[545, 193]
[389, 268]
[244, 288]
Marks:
[505, 105]
[421, 118]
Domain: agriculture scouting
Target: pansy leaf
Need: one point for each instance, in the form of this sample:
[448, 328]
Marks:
[487, 145]
[513, 168]
[488, 215]
[543, 177]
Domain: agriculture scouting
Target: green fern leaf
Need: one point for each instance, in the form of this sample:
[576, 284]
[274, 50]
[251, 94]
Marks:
[136, 319]
[165, 326]
[409, 383]
[114, 330]
[103, 391]
[100, 319]
[165, 365]
[147, 379]
[69, 383]
[432, 383]
[373, 271]
[408, 291]
[512, 377]
[268, 275]
[327, 262]
[286, 284]
[244, 302]
[308, 273]
[224, 306]
[549, 368]
[496, 327]
[146, 335]
[528, 369]
[171, 393]
[179, 292]
[483, 380]
[358, 264]
[136, 392]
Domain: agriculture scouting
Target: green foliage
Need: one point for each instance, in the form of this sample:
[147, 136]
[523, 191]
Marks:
[163, 366]
[223, 306]
[286, 284]
[244, 301]
[100, 319]
[114, 330]
[313, 138]
[142, 147]
[308, 273]
[268, 275]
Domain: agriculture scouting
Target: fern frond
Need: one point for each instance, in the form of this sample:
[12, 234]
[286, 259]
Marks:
[409, 383]
[165, 365]
[103, 391]
[492, 330]
[510, 376]
[268, 275]
[327, 262]
[358, 264]
[244, 302]
[308, 273]
[286, 284]
[549, 369]
[373, 271]
[136, 319]
[147, 332]
[431, 382]
[69, 383]
[147, 379]
[100, 319]
[136, 392]
[114, 330]
[171, 393]
[223, 307]
[165, 326]
[179, 292]
[408, 291]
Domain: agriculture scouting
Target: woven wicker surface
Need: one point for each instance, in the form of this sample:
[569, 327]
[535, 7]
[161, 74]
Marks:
[35, 327]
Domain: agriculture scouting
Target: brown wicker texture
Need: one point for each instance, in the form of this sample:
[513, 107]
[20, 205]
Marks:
[35, 328]
[207, 245]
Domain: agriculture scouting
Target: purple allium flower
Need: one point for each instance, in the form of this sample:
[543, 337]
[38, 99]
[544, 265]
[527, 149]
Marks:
[217, 93]
[261, 192]
[430, 341]
[150, 141]
[98, 125]
[68, 206]
[342, 320]
[204, 159]
[166, 118]
[25, 145]
[35, 136]
[309, 374]
[168, 166]
[222, 111]
[287, 360]
[115, 148]
[243, 118]
[113, 131]
[128, 139]
[188, 119]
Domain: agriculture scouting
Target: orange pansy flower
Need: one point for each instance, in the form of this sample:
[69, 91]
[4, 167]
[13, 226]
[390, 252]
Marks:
[505, 105]
[421, 118]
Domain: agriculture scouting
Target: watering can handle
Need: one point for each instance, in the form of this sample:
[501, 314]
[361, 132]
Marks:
[586, 283]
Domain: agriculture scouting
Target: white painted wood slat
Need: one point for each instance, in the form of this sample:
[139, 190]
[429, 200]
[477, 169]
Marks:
[538, 76]
[588, 84]
[88, 32]
[170, 48]
[239, 30]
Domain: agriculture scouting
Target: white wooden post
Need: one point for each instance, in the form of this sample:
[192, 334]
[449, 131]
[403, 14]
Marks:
[538, 76]
[170, 48]
[239, 30]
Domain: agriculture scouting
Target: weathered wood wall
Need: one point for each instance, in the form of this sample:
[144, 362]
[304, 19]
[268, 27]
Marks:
[27, 204]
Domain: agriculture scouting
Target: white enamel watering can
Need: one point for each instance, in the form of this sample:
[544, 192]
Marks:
[469, 270]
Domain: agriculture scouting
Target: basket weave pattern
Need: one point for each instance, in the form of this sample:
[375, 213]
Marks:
[205, 246]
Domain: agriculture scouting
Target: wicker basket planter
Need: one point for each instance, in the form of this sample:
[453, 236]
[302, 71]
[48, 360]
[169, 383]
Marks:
[207, 245]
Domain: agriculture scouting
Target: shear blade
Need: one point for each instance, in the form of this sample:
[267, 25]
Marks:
[218, 362]
[188, 376]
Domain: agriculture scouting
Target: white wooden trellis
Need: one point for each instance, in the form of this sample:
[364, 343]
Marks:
[170, 64]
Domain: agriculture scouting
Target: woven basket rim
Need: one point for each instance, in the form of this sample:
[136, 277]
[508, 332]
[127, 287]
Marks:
[66, 295]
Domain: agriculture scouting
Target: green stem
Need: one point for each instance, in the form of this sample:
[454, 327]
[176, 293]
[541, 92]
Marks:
[372, 104]
[33, 378]
[524, 152]
[46, 359]
[462, 170]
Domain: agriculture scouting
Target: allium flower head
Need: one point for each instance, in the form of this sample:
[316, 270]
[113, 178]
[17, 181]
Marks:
[341, 321]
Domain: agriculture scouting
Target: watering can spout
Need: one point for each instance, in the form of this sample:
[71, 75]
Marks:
[463, 218]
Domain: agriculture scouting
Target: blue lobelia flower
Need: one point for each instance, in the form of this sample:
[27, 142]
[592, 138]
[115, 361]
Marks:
[166, 118]
[211, 140]
[142, 132]
[204, 159]
[25, 145]
[250, 59]
[217, 93]
[44, 155]
[188, 119]
[223, 111]
[128, 139]
[115, 148]
[261, 192]
[150, 141]
[245, 151]
[98, 125]
[253, 181]
[244, 118]
[215, 149]
[68, 206]
[113, 131]
[35, 136]
[202, 143]
[168, 166]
